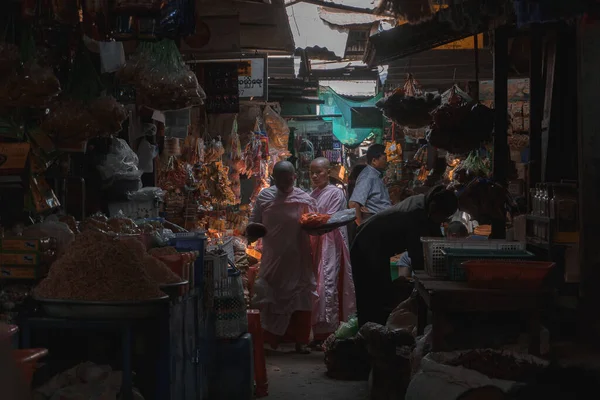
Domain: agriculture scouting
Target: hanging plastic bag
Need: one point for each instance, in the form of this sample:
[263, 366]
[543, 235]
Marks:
[409, 106]
[455, 96]
[277, 130]
[161, 78]
[347, 329]
[147, 194]
[30, 86]
[235, 151]
[121, 162]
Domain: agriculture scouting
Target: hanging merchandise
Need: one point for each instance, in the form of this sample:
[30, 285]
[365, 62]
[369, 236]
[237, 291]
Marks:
[120, 163]
[472, 167]
[235, 147]
[459, 125]
[277, 130]
[409, 106]
[83, 112]
[23, 81]
[336, 104]
[252, 157]
[393, 151]
[214, 186]
[161, 79]
[213, 151]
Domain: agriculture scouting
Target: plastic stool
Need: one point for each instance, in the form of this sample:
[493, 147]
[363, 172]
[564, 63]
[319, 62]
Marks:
[260, 367]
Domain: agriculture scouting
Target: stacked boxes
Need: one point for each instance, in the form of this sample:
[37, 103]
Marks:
[25, 258]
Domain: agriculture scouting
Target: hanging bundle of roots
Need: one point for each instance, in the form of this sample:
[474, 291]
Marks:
[413, 11]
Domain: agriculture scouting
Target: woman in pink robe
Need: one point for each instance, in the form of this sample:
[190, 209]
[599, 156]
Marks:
[285, 287]
[335, 287]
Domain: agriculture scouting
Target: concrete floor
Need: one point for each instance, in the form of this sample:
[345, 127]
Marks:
[297, 377]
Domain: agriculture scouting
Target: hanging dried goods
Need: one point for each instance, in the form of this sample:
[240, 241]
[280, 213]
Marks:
[472, 167]
[213, 150]
[161, 78]
[277, 130]
[214, 185]
[33, 86]
[409, 111]
[460, 126]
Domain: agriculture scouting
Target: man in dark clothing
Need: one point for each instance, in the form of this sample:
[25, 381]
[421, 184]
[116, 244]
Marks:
[391, 232]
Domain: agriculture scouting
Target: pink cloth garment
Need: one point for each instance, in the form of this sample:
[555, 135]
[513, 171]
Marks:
[332, 257]
[286, 281]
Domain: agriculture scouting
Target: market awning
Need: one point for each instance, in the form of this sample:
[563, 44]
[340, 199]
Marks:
[441, 29]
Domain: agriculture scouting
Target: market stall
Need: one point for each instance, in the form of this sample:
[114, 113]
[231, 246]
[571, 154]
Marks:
[108, 194]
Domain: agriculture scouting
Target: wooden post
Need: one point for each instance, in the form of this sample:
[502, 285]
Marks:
[501, 154]
[476, 52]
[589, 176]
[536, 105]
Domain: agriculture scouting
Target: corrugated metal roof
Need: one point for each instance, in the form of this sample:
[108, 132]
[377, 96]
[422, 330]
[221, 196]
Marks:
[345, 18]
[352, 88]
[337, 65]
[310, 31]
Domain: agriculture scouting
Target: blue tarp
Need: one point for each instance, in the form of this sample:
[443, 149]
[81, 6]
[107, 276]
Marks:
[338, 105]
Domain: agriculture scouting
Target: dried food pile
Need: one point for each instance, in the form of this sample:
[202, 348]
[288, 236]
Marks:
[313, 220]
[497, 365]
[99, 268]
[159, 272]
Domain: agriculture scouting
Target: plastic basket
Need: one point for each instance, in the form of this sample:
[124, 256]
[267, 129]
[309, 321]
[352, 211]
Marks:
[230, 305]
[507, 274]
[455, 257]
[435, 264]
[226, 245]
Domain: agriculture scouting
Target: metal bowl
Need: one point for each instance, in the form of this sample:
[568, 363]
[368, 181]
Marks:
[79, 309]
[172, 289]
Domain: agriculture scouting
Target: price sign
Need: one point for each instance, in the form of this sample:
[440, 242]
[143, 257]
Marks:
[252, 78]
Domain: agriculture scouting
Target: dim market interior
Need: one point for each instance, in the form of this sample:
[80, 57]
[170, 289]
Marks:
[299, 199]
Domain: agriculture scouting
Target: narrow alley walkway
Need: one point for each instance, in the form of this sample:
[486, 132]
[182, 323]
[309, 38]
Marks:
[297, 377]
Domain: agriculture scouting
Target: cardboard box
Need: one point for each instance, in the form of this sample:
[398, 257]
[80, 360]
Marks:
[19, 258]
[13, 158]
[20, 272]
[20, 244]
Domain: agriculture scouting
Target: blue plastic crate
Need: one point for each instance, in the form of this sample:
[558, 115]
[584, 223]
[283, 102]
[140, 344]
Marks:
[192, 241]
[455, 257]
